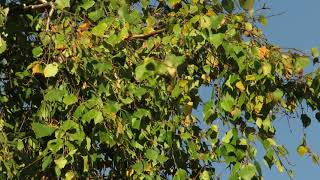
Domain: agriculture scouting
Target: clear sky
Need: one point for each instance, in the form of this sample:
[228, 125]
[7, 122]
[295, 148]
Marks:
[298, 27]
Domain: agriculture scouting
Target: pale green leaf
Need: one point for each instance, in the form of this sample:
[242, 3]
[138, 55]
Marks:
[70, 99]
[3, 45]
[248, 172]
[60, 162]
[61, 4]
[46, 162]
[315, 52]
[87, 4]
[216, 39]
[99, 29]
[96, 15]
[51, 70]
[42, 130]
[181, 174]
[227, 103]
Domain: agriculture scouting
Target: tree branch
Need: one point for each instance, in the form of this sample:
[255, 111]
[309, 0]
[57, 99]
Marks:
[143, 36]
[37, 6]
[43, 5]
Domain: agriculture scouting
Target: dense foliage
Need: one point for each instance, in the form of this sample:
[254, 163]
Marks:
[109, 89]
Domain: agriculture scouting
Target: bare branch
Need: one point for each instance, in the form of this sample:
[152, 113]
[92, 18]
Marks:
[49, 15]
[44, 4]
[37, 6]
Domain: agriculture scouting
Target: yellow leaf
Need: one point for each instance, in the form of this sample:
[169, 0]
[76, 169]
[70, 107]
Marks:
[148, 167]
[266, 68]
[263, 52]
[36, 69]
[250, 78]
[50, 70]
[120, 128]
[61, 162]
[240, 86]
[70, 175]
[210, 12]
[302, 150]
[130, 172]
[84, 27]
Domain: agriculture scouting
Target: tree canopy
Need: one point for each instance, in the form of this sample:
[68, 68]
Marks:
[109, 89]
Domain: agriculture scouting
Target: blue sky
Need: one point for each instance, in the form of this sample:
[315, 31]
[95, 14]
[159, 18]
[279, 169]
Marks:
[298, 27]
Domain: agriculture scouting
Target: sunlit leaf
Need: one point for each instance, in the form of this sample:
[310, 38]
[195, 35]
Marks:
[42, 130]
[51, 70]
[302, 150]
[60, 162]
[61, 4]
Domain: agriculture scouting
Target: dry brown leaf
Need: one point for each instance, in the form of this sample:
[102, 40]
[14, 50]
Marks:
[84, 27]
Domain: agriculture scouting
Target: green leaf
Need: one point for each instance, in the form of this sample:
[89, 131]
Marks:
[248, 172]
[277, 95]
[51, 70]
[99, 29]
[152, 154]
[70, 175]
[70, 99]
[181, 174]
[315, 52]
[228, 5]
[226, 138]
[145, 70]
[247, 4]
[216, 21]
[172, 3]
[85, 164]
[54, 95]
[135, 123]
[266, 68]
[301, 63]
[37, 52]
[227, 103]
[263, 20]
[174, 61]
[140, 113]
[111, 107]
[87, 4]
[216, 39]
[20, 145]
[96, 15]
[42, 130]
[3, 45]
[205, 175]
[205, 22]
[93, 114]
[61, 4]
[138, 167]
[46, 162]
[61, 162]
